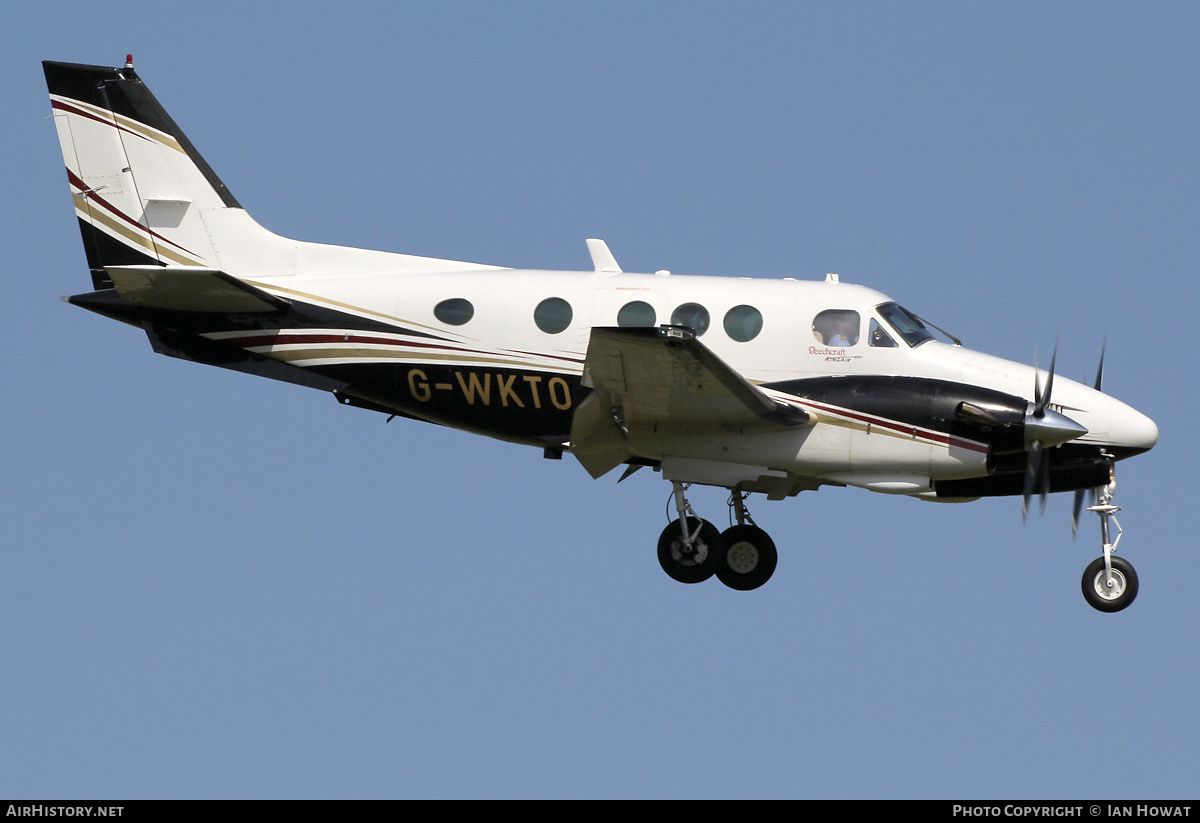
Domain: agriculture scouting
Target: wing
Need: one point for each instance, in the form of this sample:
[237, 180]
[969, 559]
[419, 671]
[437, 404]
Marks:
[663, 380]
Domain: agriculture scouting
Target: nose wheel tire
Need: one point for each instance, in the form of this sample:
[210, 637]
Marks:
[1105, 596]
[692, 563]
[747, 559]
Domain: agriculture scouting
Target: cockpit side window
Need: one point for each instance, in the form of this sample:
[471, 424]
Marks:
[879, 338]
[905, 324]
[836, 327]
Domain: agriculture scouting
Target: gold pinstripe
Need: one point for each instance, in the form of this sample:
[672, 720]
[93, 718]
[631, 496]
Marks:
[318, 354]
[124, 122]
[320, 299]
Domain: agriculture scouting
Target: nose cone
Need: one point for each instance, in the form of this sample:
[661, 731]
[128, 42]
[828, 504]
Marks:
[1132, 430]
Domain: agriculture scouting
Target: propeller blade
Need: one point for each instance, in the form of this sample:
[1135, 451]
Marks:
[1042, 426]
[1037, 383]
[1042, 399]
[1044, 477]
[1032, 470]
[1079, 493]
[1092, 494]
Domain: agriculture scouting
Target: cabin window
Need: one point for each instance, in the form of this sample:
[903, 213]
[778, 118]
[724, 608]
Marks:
[454, 312]
[836, 327]
[905, 324]
[743, 323]
[692, 315]
[552, 315]
[879, 338]
[636, 314]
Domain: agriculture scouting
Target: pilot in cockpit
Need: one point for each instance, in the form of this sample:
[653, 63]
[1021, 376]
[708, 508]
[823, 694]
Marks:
[836, 327]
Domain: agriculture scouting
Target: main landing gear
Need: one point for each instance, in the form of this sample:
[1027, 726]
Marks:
[1109, 582]
[691, 550]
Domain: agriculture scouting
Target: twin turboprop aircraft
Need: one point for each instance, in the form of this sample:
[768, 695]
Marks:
[758, 386]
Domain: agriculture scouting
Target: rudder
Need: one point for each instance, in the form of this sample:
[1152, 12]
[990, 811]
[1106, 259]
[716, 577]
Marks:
[138, 184]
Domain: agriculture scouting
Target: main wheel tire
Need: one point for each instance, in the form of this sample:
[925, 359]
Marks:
[694, 565]
[1095, 585]
[747, 558]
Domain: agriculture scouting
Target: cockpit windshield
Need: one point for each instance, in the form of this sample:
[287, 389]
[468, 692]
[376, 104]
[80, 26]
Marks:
[906, 324]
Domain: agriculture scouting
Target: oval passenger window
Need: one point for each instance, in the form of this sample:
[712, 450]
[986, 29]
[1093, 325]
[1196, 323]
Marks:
[552, 315]
[455, 312]
[743, 323]
[636, 314]
[692, 315]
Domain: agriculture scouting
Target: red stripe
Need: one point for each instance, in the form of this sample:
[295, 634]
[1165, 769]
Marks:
[551, 356]
[901, 428]
[58, 104]
[281, 338]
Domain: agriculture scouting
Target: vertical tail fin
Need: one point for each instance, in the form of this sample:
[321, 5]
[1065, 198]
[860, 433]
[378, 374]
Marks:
[145, 197]
[138, 184]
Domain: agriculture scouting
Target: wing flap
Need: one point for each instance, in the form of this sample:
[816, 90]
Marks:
[666, 377]
[663, 380]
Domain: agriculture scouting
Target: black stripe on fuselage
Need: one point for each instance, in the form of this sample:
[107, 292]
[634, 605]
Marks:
[934, 404]
[298, 315]
[510, 403]
[917, 401]
[507, 402]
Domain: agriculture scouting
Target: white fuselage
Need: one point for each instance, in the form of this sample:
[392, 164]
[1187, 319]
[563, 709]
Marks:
[841, 447]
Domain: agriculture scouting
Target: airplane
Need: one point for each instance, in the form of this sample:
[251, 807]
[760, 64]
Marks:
[755, 385]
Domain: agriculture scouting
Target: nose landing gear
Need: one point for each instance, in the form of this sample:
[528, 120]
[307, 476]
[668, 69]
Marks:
[1109, 582]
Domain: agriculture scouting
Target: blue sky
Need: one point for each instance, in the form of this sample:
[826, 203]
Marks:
[218, 586]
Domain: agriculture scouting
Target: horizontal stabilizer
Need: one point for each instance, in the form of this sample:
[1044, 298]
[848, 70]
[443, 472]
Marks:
[186, 288]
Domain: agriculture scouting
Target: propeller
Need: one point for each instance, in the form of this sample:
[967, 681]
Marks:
[1037, 466]
[1081, 493]
[1044, 428]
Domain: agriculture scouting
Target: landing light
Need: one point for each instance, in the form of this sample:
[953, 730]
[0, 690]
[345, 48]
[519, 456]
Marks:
[677, 332]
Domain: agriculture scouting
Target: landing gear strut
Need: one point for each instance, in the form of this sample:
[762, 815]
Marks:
[688, 547]
[1109, 582]
[748, 557]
